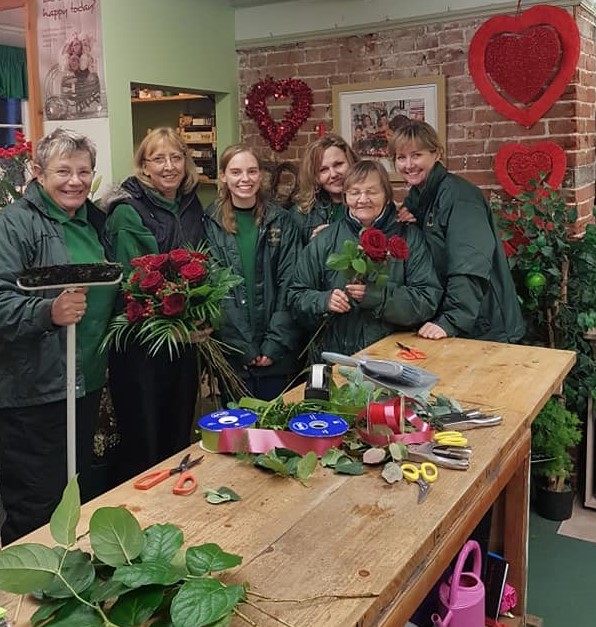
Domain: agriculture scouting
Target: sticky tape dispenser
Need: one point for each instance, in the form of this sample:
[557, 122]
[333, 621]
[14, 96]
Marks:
[318, 383]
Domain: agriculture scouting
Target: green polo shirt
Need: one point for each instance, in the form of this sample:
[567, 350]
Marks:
[246, 240]
[82, 243]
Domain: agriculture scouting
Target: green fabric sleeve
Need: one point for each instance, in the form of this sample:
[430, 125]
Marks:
[463, 296]
[127, 236]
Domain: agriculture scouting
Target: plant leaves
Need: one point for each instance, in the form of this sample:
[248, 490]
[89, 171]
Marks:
[331, 457]
[271, 461]
[27, 567]
[202, 602]
[103, 590]
[147, 573]
[74, 614]
[392, 472]
[46, 610]
[78, 571]
[233, 495]
[359, 265]
[374, 456]
[136, 607]
[162, 542]
[64, 520]
[306, 466]
[349, 467]
[398, 451]
[221, 495]
[209, 558]
[116, 536]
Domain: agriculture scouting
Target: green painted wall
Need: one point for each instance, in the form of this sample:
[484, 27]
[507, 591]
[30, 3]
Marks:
[189, 44]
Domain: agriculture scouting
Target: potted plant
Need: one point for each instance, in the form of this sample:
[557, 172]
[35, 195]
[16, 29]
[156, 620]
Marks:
[554, 432]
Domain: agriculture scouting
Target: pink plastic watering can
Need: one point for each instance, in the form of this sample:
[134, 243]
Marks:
[462, 596]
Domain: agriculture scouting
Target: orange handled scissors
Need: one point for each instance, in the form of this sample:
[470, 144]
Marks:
[186, 483]
[409, 354]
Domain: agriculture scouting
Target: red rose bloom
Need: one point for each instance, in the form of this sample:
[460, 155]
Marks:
[398, 247]
[157, 262]
[374, 244]
[134, 311]
[141, 262]
[193, 272]
[152, 282]
[173, 304]
[136, 276]
[179, 257]
[199, 256]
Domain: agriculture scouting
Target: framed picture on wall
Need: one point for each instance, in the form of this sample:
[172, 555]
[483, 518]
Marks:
[367, 114]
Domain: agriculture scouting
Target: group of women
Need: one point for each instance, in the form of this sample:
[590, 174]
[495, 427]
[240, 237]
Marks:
[453, 281]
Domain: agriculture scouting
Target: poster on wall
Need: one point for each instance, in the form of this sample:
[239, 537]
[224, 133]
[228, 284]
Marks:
[71, 59]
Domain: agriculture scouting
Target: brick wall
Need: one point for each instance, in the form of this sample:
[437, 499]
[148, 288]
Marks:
[474, 130]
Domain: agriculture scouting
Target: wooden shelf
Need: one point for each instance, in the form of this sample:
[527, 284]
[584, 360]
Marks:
[170, 98]
[207, 181]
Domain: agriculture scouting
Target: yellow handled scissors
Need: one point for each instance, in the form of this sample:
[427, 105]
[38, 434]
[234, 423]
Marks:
[423, 476]
[450, 438]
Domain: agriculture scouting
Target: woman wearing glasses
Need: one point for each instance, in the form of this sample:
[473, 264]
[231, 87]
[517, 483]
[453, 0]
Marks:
[321, 180]
[154, 211]
[359, 311]
[53, 224]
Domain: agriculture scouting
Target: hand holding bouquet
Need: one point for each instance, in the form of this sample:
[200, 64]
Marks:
[172, 299]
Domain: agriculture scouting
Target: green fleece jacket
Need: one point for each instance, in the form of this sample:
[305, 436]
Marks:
[480, 300]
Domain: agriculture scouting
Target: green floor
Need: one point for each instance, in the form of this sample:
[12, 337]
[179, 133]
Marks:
[562, 577]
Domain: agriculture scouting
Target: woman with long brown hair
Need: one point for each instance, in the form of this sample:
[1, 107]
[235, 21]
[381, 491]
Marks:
[259, 241]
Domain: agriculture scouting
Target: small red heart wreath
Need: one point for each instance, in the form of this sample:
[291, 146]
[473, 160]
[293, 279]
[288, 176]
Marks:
[529, 58]
[279, 134]
[516, 165]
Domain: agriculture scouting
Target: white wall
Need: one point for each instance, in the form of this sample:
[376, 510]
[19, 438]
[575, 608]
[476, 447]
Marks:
[308, 18]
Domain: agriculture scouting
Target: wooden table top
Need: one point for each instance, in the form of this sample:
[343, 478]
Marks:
[345, 535]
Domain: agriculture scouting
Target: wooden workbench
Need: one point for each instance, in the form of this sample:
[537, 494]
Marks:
[347, 535]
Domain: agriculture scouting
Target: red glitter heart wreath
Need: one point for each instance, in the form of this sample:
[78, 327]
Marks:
[516, 165]
[529, 58]
[279, 134]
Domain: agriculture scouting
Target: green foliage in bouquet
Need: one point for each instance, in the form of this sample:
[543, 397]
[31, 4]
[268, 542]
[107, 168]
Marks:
[132, 576]
[14, 169]
[555, 277]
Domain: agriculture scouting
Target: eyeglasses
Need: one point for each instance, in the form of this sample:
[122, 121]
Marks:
[176, 159]
[354, 194]
[65, 175]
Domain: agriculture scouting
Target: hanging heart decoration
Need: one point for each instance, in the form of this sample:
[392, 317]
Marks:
[516, 166]
[522, 64]
[279, 134]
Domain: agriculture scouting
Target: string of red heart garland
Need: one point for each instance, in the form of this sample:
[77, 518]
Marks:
[279, 134]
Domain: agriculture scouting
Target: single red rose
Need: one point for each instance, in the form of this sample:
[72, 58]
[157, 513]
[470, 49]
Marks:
[398, 247]
[141, 262]
[508, 248]
[134, 311]
[173, 304]
[374, 244]
[157, 262]
[179, 257]
[136, 276]
[199, 256]
[193, 272]
[151, 282]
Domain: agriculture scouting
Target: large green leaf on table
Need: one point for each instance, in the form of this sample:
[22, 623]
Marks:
[27, 567]
[74, 614]
[148, 573]
[162, 542]
[64, 520]
[209, 558]
[271, 461]
[135, 607]
[46, 610]
[202, 602]
[76, 569]
[331, 457]
[116, 536]
[306, 466]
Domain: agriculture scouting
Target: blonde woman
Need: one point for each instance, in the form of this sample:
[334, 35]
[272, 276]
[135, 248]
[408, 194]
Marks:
[258, 241]
[321, 182]
[154, 211]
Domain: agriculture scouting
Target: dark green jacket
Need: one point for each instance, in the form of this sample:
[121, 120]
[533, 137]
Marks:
[273, 332]
[480, 300]
[324, 211]
[409, 299]
[32, 348]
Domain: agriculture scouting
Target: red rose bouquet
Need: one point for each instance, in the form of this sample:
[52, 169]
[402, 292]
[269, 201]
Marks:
[14, 169]
[367, 259]
[172, 299]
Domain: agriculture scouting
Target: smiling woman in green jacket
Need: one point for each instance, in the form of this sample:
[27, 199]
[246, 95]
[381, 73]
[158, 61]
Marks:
[362, 312]
[260, 243]
[480, 301]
